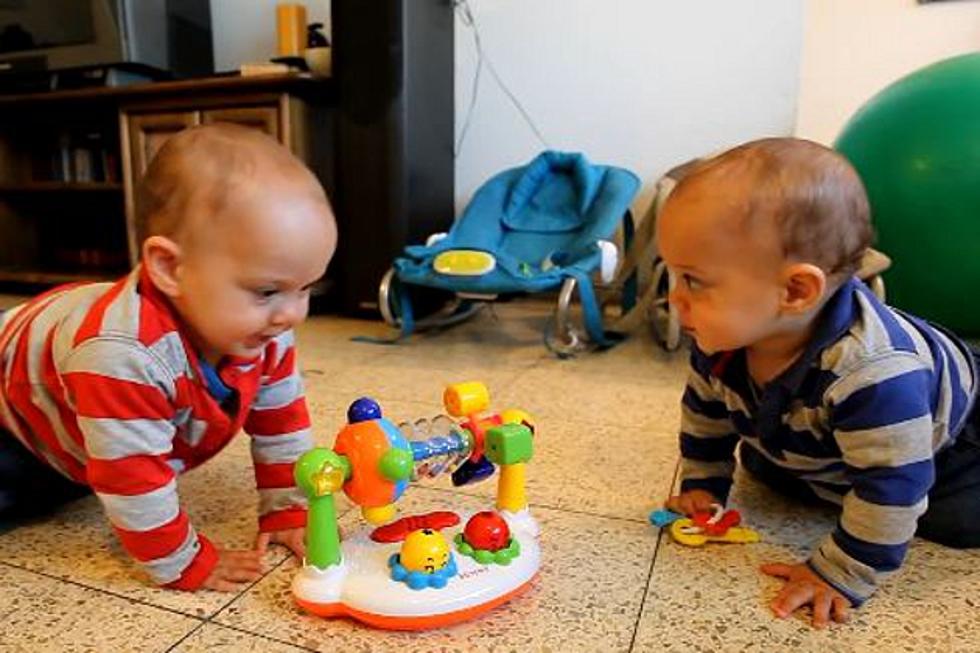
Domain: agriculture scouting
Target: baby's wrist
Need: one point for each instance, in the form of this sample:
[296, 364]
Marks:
[282, 520]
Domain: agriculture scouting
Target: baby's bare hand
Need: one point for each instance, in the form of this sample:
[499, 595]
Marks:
[802, 586]
[690, 502]
[233, 569]
[292, 538]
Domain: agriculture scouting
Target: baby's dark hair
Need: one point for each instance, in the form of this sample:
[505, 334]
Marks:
[203, 166]
[811, 193]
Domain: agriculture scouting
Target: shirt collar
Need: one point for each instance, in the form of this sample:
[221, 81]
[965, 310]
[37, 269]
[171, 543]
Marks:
[146, 289]
[215, 385]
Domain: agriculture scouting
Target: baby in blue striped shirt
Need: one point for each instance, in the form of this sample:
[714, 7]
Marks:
[831, 394]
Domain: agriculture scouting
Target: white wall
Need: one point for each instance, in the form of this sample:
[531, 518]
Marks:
[244, 31]
[854, 48]
[645, 84]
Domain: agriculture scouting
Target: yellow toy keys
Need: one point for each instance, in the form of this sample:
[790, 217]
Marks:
[719, 525]
[685, 532]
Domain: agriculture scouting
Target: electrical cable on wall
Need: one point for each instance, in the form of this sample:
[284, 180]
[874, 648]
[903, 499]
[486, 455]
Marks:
[466, 16]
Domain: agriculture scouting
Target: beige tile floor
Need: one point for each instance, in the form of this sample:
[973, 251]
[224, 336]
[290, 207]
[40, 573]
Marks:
[605, 454]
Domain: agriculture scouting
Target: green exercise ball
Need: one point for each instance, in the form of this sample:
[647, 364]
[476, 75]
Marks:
[916, 145]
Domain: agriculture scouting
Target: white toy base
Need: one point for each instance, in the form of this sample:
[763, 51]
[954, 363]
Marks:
[361, 586]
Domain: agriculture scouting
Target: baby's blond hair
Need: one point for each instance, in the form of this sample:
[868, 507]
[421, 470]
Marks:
[810, 193]
[200, 168]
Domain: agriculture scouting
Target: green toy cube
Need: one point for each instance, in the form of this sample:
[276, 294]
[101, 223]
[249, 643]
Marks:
[509, 444]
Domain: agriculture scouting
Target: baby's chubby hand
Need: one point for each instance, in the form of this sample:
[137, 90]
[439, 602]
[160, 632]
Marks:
[690, 502]
[291, 538]
[233, 569]
[804, 587]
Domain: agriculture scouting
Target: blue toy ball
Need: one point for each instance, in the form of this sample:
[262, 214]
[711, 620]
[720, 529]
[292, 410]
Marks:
[362, 410]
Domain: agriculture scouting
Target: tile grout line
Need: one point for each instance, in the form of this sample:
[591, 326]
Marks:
[185, 637]
[646, 592]
[653, 563]
[211, 619]
[203, 621]
[249, 632]
[239, 629]
[101, 590]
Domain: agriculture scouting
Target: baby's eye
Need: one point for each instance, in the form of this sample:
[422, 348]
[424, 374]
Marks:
[265, 293]
[692, 282]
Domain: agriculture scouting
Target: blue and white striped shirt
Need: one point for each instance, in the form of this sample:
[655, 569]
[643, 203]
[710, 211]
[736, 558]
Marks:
[859, 417]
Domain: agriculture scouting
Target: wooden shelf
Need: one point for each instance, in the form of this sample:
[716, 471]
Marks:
[55, 229]
[299, 84]
[62, 186]
[48, 277]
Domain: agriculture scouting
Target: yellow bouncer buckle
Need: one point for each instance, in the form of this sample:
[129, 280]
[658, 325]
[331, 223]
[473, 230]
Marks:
[464, 263]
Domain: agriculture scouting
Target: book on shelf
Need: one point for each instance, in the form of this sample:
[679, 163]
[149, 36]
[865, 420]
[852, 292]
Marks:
[81, 157]
[62, 163]
[82, 165]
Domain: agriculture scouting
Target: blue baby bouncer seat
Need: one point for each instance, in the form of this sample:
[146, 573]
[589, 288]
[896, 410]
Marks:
[541, 227]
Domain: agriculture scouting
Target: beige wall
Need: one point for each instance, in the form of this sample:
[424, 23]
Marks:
[245, 30]
[641, 83]
[854, 48]
[645, 84]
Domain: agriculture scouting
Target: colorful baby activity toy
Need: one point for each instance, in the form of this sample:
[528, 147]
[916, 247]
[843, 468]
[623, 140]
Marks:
[419, 571]
[719, 525]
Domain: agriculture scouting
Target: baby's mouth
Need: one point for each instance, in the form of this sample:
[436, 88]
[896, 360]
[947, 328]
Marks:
[257, 341]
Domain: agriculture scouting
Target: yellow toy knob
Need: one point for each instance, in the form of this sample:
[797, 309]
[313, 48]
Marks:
[424, 550]
[517, 416]
[379, 514]
[462, 399]
[328, 480]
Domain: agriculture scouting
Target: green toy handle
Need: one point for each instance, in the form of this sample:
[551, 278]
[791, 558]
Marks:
[319, 473]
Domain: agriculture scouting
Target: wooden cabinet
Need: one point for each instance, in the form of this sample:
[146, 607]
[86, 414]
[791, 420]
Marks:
[147, 129]
[70, 162]
[146, 126]
[265, 119]
[147, 132]
[379, 136]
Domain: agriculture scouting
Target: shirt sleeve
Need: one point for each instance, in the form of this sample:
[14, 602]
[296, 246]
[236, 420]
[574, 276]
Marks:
[882, 422]
[707, 438]
[279, 425]
[123, 400]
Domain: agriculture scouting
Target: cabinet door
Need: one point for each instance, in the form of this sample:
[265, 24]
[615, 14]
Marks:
[265, 119]
[148, 132]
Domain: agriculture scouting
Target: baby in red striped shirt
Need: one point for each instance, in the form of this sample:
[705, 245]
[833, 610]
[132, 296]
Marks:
[116, 388]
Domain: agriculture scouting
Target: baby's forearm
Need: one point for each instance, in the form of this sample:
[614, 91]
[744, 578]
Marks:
[855, 566]
[714, 477]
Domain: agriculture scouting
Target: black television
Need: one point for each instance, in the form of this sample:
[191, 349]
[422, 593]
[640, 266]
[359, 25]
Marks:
[159, 37]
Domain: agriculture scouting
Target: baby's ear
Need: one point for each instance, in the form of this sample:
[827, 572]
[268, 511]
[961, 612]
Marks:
[161, 258]
[804, 285]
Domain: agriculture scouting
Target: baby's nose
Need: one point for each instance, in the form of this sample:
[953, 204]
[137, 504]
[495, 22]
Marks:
[290, 313]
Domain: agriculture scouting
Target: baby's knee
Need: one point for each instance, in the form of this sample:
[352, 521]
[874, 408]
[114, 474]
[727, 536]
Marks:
[950, 526]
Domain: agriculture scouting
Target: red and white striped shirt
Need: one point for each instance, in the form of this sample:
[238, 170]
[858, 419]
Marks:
[99, 381]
